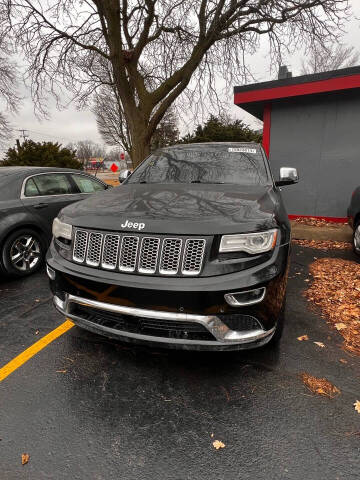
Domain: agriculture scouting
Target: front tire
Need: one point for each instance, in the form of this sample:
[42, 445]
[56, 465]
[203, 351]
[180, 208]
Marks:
[23, 252]
[356, 238]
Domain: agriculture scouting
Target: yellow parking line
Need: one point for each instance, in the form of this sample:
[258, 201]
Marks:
[16, 362]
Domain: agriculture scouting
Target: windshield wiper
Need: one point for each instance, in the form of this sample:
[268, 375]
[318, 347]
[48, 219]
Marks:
[207, 183]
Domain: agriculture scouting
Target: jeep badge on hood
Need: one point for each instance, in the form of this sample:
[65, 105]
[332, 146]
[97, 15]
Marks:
[137, 226]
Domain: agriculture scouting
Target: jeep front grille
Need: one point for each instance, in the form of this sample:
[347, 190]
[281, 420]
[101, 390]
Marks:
[143, 254]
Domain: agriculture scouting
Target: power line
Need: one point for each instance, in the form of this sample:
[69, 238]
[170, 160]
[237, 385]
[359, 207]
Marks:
[49, 135]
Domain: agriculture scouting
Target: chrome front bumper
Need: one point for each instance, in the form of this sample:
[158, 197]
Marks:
[226, 339]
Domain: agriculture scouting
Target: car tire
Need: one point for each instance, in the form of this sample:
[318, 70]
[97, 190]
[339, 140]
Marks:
[23, 252]
[356, 238]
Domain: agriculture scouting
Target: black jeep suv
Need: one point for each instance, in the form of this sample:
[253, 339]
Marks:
[191, 251]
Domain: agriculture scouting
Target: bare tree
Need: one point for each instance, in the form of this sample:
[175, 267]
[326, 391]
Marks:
[110, 118]
[112, 124]
[9, 100]
[324, 58]
[86, 149]
[153, 49]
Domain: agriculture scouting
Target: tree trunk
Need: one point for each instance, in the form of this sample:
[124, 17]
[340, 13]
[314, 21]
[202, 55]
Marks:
[140, 149]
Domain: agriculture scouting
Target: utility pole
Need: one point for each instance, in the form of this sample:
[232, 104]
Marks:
[23, 134]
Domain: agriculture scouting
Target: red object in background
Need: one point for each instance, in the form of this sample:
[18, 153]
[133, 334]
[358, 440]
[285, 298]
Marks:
[114, 168]
[267, 128]
[122, 156]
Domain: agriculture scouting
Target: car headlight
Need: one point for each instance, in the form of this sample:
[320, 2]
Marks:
[61, 230]
[249, 242]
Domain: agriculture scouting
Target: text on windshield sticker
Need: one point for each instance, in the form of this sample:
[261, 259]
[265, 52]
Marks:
[242, 150]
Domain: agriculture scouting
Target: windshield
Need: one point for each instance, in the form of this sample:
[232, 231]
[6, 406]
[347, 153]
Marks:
[237, 164]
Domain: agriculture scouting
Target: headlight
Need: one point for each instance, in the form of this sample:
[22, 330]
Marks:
[249, 242]
[60, 229]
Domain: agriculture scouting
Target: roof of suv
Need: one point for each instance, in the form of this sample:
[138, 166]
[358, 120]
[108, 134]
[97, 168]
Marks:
[26, 171]
[212, 143]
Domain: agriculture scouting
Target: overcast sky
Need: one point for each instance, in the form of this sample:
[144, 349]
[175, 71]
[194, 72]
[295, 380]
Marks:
[72, 125]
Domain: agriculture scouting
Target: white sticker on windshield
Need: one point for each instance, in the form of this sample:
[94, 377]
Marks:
[242, 150]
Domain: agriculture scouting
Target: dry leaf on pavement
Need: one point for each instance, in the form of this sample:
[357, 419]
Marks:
[323, 244]
[303, 338]
[218, 444]
[320, 344]
[25, 458]
[317, 222]
[340, 326]
[320, 386]
[335, 289]
[357, 406]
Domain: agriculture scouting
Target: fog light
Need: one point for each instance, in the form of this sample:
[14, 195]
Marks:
[50, 272]
[242, 299]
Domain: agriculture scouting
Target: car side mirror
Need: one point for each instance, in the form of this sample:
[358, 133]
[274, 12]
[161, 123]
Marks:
[288, 176]
[123, 175]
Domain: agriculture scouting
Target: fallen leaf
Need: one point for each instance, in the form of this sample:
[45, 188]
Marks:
[320, 344]
[323, 245]
[218, 444]
[357, 406]
[317, 222]
[25, 457]
[303, 338]
[342, 360]
[320, 386]
[340, 326]
[335, 288]
[61, 371]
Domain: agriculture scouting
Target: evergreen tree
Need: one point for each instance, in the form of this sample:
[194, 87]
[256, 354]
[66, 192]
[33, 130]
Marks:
[224, 129]
[37, 154]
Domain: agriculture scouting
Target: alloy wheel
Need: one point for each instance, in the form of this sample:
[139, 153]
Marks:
[25, 253]
[357, 238]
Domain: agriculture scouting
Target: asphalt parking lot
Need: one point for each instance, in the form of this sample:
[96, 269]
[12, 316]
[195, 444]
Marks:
[86, 407]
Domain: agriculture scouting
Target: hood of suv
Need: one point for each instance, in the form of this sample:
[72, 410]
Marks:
[177, 209]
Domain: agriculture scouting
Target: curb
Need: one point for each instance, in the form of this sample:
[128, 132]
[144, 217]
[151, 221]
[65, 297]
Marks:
[337, 233]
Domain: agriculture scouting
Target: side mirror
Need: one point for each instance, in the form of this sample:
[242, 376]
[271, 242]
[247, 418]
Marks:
[123, 175]
[288, 176]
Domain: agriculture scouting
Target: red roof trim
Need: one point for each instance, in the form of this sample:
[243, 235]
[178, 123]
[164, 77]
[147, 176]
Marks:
[267, 128]
[341, 83]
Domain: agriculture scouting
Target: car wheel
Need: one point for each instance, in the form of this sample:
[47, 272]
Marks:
[356, 238]
[23, 253]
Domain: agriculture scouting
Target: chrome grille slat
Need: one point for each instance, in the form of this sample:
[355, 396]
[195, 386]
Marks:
[149, 252]
[145, 254]
[128, 253]
[110, 251]
[93, 254]
[193, 256]
[80, 245]
[170, 256]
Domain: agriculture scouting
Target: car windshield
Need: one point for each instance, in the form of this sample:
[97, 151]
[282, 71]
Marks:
[230, 164]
